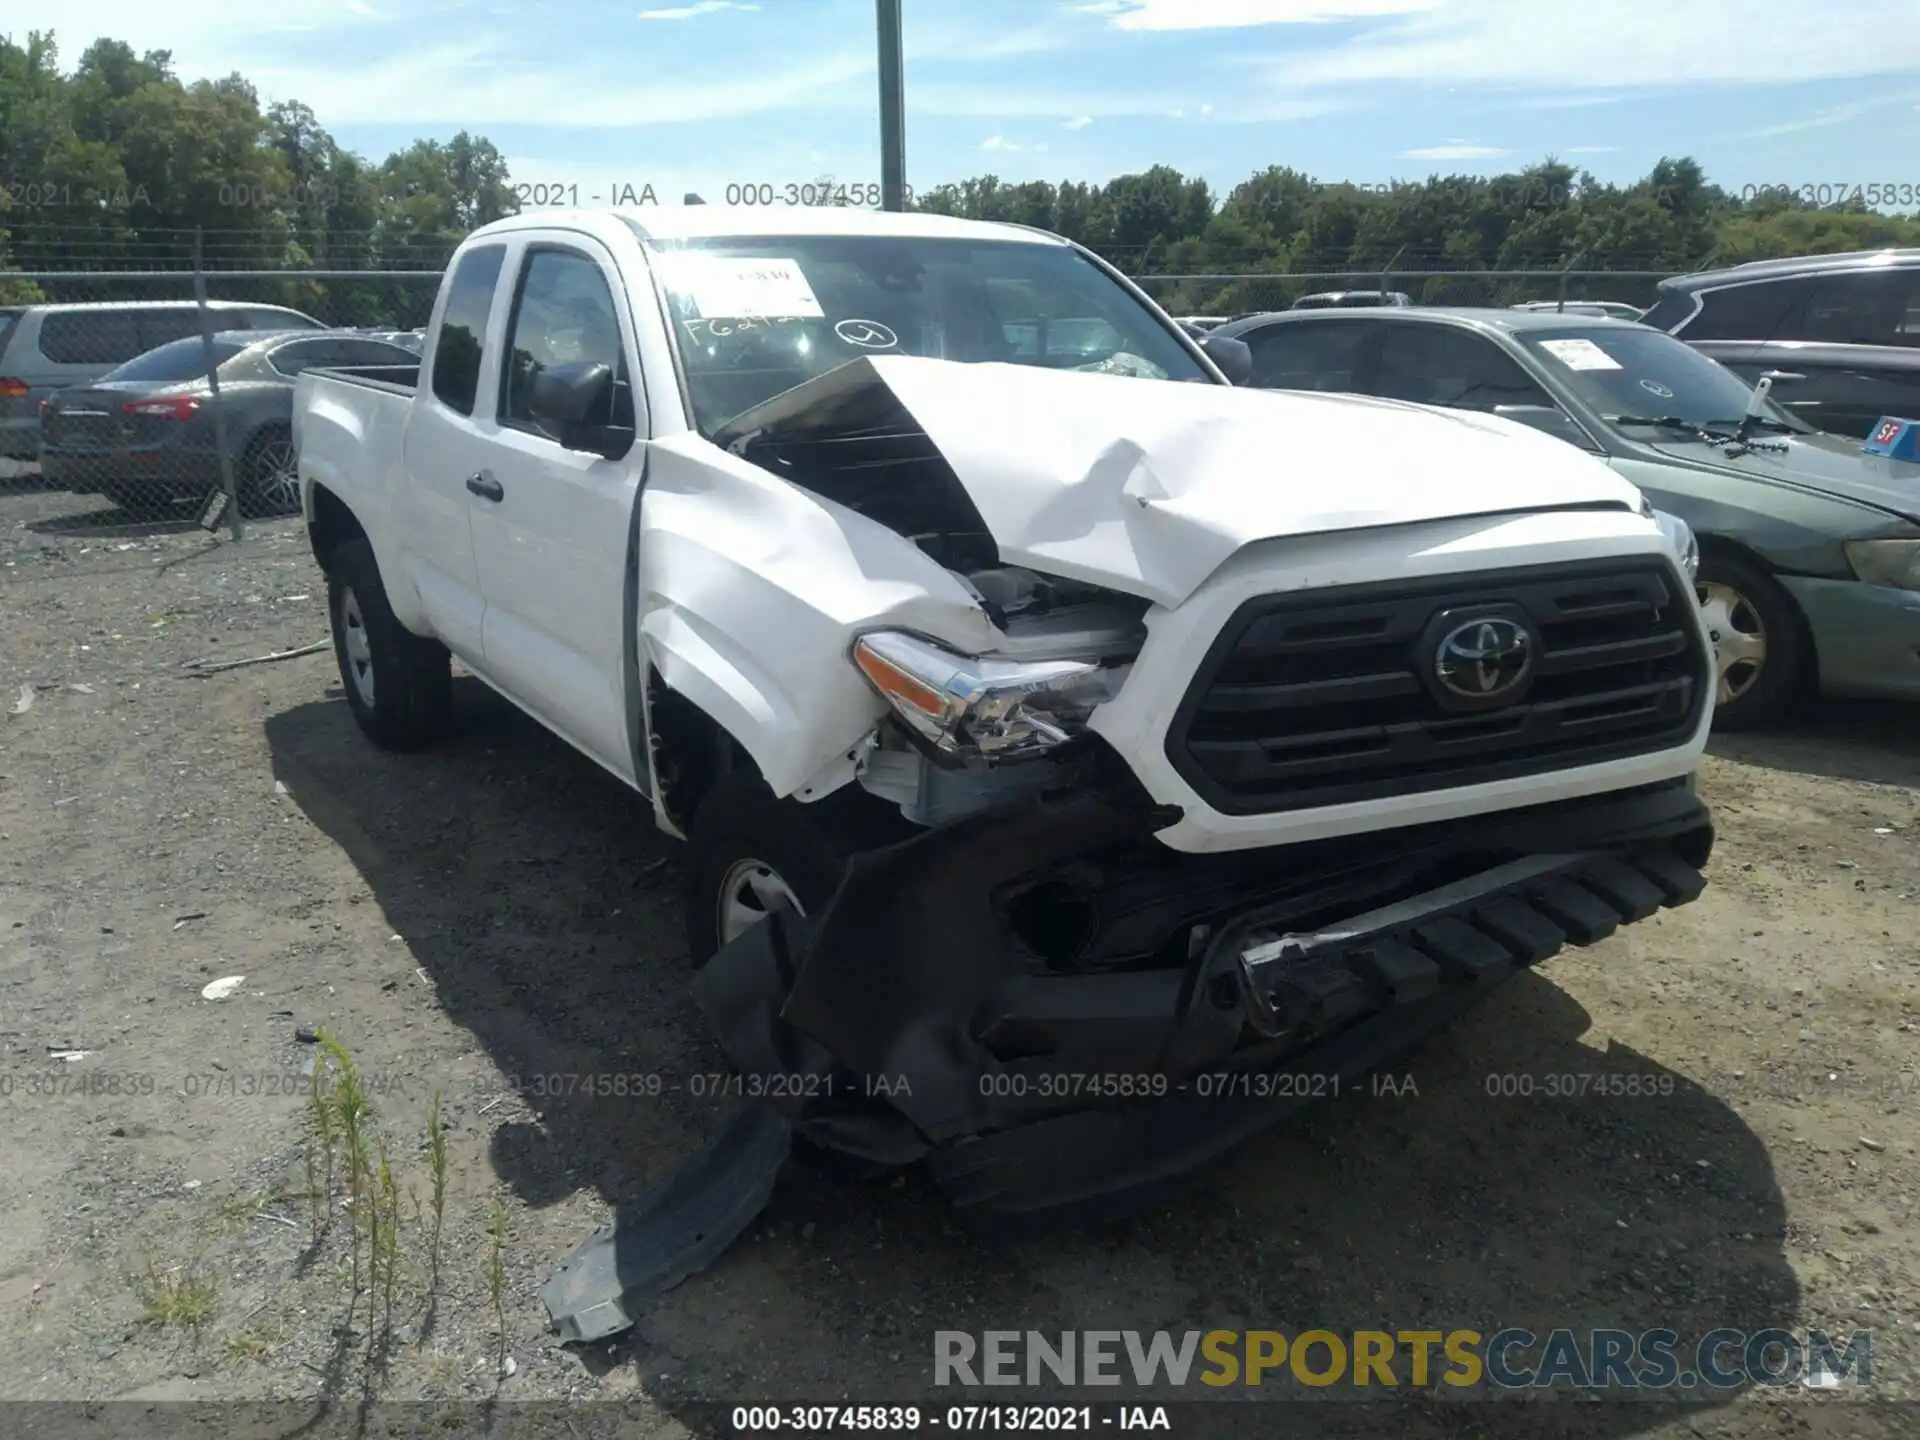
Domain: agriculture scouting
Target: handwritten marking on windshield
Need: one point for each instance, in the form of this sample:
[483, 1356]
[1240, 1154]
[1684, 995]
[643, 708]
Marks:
[866, 334]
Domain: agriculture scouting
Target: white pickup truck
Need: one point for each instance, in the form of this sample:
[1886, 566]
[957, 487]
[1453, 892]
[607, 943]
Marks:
[1080, 757]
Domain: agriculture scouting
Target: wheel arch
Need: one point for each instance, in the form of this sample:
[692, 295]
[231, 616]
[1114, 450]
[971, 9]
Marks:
[1721, 545]
[331, 523]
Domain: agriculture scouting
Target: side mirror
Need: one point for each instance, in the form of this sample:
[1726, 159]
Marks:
[1232, 356]
[574, 404]
[1548, 420]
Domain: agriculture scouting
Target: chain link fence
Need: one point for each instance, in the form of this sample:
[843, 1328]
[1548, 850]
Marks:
[162, 399]
[156, 400]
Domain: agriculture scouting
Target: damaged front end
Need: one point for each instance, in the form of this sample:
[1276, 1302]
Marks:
[1059, 1016]
[1027, 997]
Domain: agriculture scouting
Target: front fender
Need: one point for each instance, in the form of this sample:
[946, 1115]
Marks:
[752, 592]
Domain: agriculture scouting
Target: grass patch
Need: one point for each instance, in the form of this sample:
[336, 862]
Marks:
[178, 1296]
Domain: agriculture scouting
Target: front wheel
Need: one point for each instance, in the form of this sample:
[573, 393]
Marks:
[1762, 653]
[750, 853]
[399, 685]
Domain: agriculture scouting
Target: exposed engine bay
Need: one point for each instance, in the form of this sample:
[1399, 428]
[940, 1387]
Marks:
[866, 452]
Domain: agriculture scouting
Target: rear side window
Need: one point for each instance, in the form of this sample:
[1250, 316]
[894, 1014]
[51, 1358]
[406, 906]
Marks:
[1318, 356]
[1768, 310]
[178, 361]
[90, 337]
[159, 327]
[463, 328]
[272, 318]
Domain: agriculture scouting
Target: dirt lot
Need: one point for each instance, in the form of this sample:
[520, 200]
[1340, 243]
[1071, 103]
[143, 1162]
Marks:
[472, 920]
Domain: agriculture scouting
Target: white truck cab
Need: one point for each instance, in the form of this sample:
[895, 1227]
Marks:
[1034, 701]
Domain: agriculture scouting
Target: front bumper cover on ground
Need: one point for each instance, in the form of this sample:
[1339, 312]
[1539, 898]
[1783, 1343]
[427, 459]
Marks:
[945, 1042]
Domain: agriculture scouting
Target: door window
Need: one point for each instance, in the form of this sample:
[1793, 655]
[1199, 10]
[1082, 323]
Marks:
[463, 327]
[1864, 307]
[1440, 365]
[563, 314]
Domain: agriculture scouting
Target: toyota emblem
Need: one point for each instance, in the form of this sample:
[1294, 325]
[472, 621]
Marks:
[1484, 661]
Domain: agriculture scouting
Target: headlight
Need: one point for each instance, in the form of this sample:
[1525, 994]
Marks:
[1684, 541]
[1886, 562]
[992, 709]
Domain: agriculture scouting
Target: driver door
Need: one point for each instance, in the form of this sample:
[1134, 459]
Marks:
[551, 526]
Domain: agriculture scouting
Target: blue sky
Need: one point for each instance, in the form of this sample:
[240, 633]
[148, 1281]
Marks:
[700, 94]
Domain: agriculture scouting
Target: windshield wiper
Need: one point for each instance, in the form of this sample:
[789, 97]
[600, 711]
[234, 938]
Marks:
[1757, 422]
[1679, 424]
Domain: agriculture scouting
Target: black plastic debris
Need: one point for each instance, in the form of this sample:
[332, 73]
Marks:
[679, 1229]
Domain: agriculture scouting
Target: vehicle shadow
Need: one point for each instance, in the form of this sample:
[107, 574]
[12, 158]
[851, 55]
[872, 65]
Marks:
[1456, 1193]
[1877, 741]
[111, 521]
[18, 477]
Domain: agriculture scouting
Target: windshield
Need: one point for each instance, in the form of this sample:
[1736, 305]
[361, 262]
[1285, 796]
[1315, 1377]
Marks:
[760, 316]
[1647, 373]
[175, 361]
[7, 317]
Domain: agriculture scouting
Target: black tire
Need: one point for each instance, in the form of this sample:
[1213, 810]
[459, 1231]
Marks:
[399, 685]
[1769, 691]
[268, 484]
[805, 846]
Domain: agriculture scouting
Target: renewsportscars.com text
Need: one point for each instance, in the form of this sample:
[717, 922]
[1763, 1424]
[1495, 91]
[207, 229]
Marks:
[1509, 1359]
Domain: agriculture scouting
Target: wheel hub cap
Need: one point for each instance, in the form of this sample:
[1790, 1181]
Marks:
[749, 892]
[358, 649]
[1739, 639]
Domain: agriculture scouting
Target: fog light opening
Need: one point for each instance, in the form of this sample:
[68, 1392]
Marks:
[1056, 921]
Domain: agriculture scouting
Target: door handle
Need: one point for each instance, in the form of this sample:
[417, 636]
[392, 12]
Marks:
[485, 486]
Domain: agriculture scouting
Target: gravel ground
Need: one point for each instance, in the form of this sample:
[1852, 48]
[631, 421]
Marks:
[474, 919]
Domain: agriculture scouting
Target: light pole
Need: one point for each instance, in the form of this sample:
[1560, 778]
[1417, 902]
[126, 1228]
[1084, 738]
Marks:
[893, 120]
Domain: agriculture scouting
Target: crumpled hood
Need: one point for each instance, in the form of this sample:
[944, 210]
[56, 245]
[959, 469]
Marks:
[1148, 486]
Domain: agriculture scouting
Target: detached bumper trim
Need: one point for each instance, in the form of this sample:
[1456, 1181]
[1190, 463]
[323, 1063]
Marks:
[1473, 931]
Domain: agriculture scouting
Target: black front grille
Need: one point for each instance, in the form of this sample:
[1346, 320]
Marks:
[1317, 699]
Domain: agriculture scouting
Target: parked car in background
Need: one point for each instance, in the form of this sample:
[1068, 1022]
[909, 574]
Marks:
[1809, 565]
[1200, 324]
[1847, 325]
[1609, 309]
[1352, 299]
[146, 434]
[45, 348]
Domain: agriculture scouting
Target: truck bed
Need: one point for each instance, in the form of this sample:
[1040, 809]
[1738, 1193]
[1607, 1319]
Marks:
[403, 379]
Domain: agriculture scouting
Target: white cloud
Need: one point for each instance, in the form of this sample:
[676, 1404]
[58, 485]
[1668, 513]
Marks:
[1245, 14]
[1832, 115]
[1076, 110]
[1525, 43]
[1000, 142]
[1455, 150]
[487, 82]
[695, 10]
